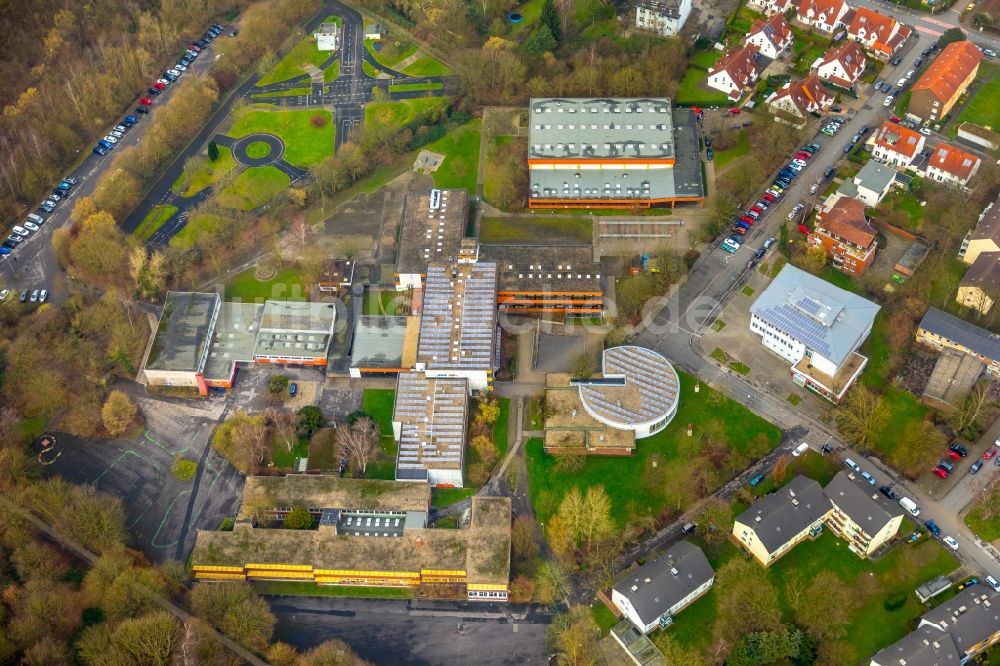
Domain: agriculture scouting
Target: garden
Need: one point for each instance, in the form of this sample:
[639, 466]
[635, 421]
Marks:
[304, 53]
[461, 163]
[308, 134]
[285, 284]
[984, 107]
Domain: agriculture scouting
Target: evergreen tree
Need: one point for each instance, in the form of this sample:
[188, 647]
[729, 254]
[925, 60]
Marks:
[550, 18]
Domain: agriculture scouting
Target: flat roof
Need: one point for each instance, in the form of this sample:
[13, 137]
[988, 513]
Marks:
[459, 319]
[328, 491]
[608, 182]
[660, 584]
[624, 128]
[295, 329]
[962, 333]
[233, 339]
[649, 391]
[544, 268]
[431, 235]
[184, 331]
[569, 425]
[827, 319]
[875, 176]
[432, 413]
[379, 341]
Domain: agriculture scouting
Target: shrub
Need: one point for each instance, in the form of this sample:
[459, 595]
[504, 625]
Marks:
[894, 602]
[213, 151]
[277, 385]
[318, 120]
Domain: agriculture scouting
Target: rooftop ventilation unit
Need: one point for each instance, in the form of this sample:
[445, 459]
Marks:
[435, 199]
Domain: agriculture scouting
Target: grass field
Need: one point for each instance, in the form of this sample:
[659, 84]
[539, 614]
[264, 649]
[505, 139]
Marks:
[378, 403]
[286, 284]
[305, 52]
[984, 107]
[332, 73]
[722, 158]
[426, 66]
[690, 90]
[705, 58]
[254, 187]
[184, 469]
[305, 143]
[368, 69]
[814, 465]
[500, 428]
[905, 413]
[411, 87]
[258, 149]
[154, 219]
[621, 477]
[442, 497]
[380, 302]
[530, 13]
[987, 529]
[393, 51]
[533, 229]
[197, 226]
[461, 150]
[392, 115]
[205, 173]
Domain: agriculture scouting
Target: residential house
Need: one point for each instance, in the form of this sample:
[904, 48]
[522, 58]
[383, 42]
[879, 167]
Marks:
[800, 98]
[771, 7]
[861, 515]
[952, 166]
[736, 72]
[846, 235]
[880, 34]
[772, 37]
[775, 523]
[895, 145]
[939, 330]
[841, 66]
[926, 646]
[985, 237]
[815, 326]
[936, 91]
[664, 17]
[823, 15]
[980, 286]
[971, 618]
[870, 185]
[374, 31]
[652, 594]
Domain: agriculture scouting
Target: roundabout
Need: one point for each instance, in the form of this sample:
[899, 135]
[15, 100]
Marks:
[255, 150]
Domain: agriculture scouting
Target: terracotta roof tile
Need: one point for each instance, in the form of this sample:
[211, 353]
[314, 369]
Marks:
[946, 74]
[897, 138]
[955, 161]
[776, 29]
[846, 220]
[741, 64]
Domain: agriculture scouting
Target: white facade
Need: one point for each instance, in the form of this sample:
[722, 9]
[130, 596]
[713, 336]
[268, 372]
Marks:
[948, 178]
[407, 281]
[327, 37]
[665, 23]
[622, 602]
[479, 380]
[767, 46]
[723, 82]
[889, 156]
[777, 341]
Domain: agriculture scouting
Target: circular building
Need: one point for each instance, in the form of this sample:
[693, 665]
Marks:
[638, 390]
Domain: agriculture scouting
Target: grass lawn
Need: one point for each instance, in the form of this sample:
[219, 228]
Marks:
[442, 497]
[878, 352]
[722, 158]
[258, 149]
[908, 203]
[380, 302]
[197, 226]
[987, 529]
[305, 143]
[533, 229]
[944, 284]
[530, 13]
[184, 469]
[690, 90]
[322, 455]
[367, 68]
[461, 150]
[254, 187]
[206, 173]
[500, 435]
[304, 53]
[286, 284]
[303, 589]
[426, 66]
[814, 465]
[378, 403]
[705, 58]
[332, 73]
[621, 476]
[282, 457]
[291, 92]
[984, 107]
[603, 617]
[391, 115]
[154, 219]
[905, 411]
[391, 51]
[411, 87]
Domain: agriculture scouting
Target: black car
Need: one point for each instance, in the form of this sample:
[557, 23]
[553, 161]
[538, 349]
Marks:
[153, 91]
[960, 450]
[142, 109]
[848, 147]
[887, 491]
[200, 43]
[708, 142]
[216, 26]
[918, 62]
[830, 172]
[709, 154]
[864, 130]
[896, 61]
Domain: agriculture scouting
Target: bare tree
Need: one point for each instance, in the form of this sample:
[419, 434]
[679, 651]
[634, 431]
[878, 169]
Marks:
[250, 437]
[358, 442]
[972, 408]
[860, 416]
[283, 423]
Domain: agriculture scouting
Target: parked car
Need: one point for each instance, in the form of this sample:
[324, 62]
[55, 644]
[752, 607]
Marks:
[31, 226]
[894, 119]
[887, 491]
[174, 72]
[160, 85]
[799, 162]
[940, 471]
[110, 139]
[800, 449]
[34, 296]
[950, 542]
[769, 243]
[830, 172]
[959, 449]
[888, 100]
[947, 464]
[990, 52]
[926, 131]
[953, 455]
[868, 477]
[43, 296]
[769, 197]
[144, 109]
[100, 150]
[815, 147]
[729, 246]
[989, 453]
[932, 527]
[896, 61]
[976, 466]
[848, 147]
[293, 389]
[24, 296]
[145, 101]
[755, 481]
[180, 66]
[153, 91]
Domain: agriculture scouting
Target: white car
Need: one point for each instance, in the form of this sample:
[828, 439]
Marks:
[950, 542]
[165, 82]
[801, 163]
[795, 167]
[926, 131]
[43, 296]
[180, 67]
[174, 72]
[116, 134]
[111, 139]
[800, 449]
[888, 100]
[3, 294]
[31, 225]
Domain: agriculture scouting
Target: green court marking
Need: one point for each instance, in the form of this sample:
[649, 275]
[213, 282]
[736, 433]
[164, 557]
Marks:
[166, 514]
[129, 452]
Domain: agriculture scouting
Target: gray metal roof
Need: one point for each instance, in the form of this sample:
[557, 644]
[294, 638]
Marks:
[603, 183]
[862, 502]
[648, 390]
[827, 319]
[959, 331]
[779, 517]
[431, 413]
[295, 330]
[233, 339]
[590, 129]
[654, 588]
[378, 342]
[184, 331]
[875, 176]
[926, 646]
[459, 319]
[969, 617]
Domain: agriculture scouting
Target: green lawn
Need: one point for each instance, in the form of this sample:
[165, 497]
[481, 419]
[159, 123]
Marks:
[426, 66]
[380, 302]
[378, 403]
[722, 158]
[368, 69]
[533, 229]
[906, 202]
[305, 143]
[530, 13]
[184, 469]
[258, 149]
[905, 411]
[442, 497]
[332, 73]
[878, 351]
[944, 284]
[987, 529]
[984, 107]
[461, 150]
[198, 226]
[283, 458]
[896, 574]
[705, 58]
[500, 434]
[304, 589]
[603, 617]
[286, 284]
[814, 465]
[254, 187]
[622, 477]
[691, 91]
[205, 173]
[411, 87]
[154, 219]
[393, 51]
[392, 115]
[304, 53]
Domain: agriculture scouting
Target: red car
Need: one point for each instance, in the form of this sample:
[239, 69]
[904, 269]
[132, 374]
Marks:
[145, 101]
[803, 229]
[740, 230]
[757, 209]
[735, 110]
[943, 473]
[803, 155]
[769, 198]
[159, 86]
[953, 455]
[895, 119]
[747, 219]
[990, 452]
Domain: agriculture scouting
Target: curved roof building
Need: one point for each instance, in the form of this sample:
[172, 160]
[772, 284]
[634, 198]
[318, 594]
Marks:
[638, 390]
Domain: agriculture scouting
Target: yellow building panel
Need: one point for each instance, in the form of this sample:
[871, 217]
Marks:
[208, 568]
[369, 574]
[442, 572]
[286, 567]
[442, 579]
[200, 575]
[298, 575]
[484, 587]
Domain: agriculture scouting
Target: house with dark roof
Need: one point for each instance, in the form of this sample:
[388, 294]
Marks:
[815, 326]
[776, 523]
[861, 515]
[664, 17]
[952, 166]
[971, 618]
[842, 65]
[936, 91]
[980, 286]
[985, 237]
[773, 37]
[926, 646]
[652, 594]
[846, 235]
[801, 98]
[736, 72]
[895, 145]
[939, 330]
[880, 34]
[824, 15]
